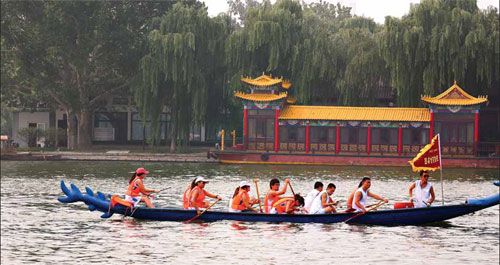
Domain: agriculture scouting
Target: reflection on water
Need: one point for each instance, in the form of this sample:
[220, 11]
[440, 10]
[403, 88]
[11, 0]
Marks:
[36, 228]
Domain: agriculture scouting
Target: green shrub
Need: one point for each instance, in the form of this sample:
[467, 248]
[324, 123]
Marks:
[30, 135]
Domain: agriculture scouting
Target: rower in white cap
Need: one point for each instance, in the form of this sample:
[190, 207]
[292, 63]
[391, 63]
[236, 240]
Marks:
[198, 193]
[241, 200]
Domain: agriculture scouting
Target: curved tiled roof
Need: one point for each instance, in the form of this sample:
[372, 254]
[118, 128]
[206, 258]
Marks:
[260, 97]
[455, 96]
[293, 112]
[262, 81]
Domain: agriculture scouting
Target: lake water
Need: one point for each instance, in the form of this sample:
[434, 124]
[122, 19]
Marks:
[36, 228]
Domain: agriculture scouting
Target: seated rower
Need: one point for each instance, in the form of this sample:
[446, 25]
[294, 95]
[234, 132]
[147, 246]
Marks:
[185, 195]
[288, 205]
[136, 188]
[241, 200]
[424, 192]
[349, 200]
[361, 194]
[323, 203]
[273, 193]
[318, 188]
[198, 193]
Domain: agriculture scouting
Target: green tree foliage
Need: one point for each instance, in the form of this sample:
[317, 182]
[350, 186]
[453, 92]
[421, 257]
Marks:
[321, 48]
[183, 69]
[438, 42]
[75, 54]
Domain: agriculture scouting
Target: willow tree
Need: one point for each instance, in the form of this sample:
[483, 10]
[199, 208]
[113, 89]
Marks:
[76, 54]
[178, 72]
[440, 41]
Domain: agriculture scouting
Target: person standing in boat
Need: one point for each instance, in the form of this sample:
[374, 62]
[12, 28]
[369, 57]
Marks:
[318, 188]
[323, 203]
[362, 193]
[423, 195]
[136, 188]
[288, 205]
[272, 195]
[241, 201]
[198, 194]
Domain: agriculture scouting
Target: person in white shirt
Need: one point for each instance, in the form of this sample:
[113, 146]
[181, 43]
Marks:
[323, 203]
[423, 195]
[318, 187]
[360, 196]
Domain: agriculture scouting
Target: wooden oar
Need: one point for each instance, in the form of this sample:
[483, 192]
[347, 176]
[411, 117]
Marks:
[380, 203]
[194, 218]
[293, 192]
[258, 195]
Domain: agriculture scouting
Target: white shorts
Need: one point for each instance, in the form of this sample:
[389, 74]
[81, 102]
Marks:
[231, 210]
[320, 211]
[134, 200]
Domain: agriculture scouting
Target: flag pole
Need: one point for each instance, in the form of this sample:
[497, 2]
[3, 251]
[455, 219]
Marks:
[441, 167]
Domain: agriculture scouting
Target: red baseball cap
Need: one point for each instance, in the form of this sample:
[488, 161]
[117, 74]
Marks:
[141, 170]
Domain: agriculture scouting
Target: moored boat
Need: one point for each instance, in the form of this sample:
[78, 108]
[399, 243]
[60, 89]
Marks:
[408, 216]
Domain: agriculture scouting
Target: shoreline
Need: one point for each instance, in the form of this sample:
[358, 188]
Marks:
[108, 156]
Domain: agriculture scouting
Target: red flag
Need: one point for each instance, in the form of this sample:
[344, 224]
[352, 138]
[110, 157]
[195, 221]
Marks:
[429, 157]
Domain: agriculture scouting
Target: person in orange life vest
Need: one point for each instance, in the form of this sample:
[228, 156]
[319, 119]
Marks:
[185, 195]
[424, 192]
[241, 201]
[136, 188]
[361, 194]
[198, 193]
[288, 205]
[273, 193]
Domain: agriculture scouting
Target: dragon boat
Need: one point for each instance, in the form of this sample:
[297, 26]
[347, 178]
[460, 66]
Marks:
[390, 217]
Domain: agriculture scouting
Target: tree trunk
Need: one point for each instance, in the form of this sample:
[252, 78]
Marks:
[85, 129]
[71, 129]
[173, 132]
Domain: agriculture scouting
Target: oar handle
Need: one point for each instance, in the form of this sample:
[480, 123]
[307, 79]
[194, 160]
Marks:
[293, 192]
[258, 195]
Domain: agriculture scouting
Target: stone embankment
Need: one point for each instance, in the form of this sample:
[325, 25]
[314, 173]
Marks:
[112, 156]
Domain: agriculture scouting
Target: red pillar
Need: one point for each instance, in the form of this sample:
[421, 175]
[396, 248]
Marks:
[368, 140]
[245, 128]
[431, 131]
[276, 130]
[307, 138]
[400, 136]
[476, 131]
[337, 144]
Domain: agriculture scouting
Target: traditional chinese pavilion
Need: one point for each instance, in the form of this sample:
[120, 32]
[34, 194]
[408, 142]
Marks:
[277, 131]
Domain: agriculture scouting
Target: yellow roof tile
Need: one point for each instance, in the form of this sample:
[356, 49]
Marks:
[455, 96]
[286, 84]
[260, 97]
[293, 112]
[262, 81]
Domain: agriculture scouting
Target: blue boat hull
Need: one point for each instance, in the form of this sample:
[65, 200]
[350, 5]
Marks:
[409, 216]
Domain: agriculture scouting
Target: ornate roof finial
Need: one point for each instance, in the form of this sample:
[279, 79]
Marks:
[454, 82]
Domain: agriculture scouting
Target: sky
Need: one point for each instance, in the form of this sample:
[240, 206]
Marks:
[377, 10]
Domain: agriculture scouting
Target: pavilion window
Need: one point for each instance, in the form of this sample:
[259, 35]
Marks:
[252, 124]
[470, 133]
[320, 134]
[344, 135]
[385, 136]
[292, 134]
[362, 135]
[283, 134]
[415, 136]
[270, 129]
